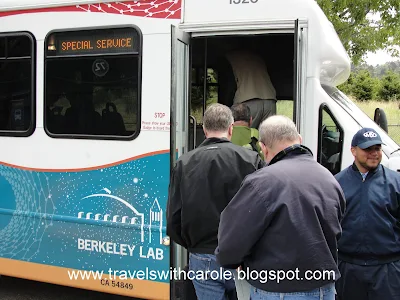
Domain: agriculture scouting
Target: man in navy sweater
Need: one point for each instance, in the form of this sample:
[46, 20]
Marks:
[283, 224]
[369, 249]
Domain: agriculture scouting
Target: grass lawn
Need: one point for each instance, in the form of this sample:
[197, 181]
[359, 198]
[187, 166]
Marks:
[391, 109]
[392, 112]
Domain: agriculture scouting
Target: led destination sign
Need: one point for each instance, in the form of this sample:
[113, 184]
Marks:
[116, 41]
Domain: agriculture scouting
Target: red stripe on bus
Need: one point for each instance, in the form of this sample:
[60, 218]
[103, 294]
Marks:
[85, 169]
[161, 9]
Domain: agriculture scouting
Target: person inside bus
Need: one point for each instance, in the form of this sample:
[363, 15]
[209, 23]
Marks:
[202, 183]
[242, 134]
[55, 122]
[253, 85]
[81, 117]
[54, 117]
[113, 123]
[72, 114]
[285, 221]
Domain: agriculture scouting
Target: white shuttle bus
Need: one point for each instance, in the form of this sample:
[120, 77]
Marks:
[97, 100]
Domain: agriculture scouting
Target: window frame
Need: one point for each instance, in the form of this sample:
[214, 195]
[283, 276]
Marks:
[33, 58]
[139, 84]
[324, 107]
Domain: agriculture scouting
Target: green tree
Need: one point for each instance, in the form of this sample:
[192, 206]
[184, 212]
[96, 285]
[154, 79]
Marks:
[363, 86]
[390, 87]
[365, 25]
[347, 86]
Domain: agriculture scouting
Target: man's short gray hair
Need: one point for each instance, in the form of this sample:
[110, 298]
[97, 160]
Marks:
[277, 129]
[217, 118]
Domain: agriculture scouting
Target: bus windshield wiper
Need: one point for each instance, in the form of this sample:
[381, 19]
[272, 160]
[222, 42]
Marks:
[395, 151]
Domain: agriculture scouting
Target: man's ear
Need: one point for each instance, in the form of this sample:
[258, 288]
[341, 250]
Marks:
[354, 151]
[251, 121]
[301, 139]
[264, 150]
[205, 132]
[230, 131]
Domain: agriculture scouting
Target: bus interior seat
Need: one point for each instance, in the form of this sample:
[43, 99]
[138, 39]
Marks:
[331, 150]
[334, 163]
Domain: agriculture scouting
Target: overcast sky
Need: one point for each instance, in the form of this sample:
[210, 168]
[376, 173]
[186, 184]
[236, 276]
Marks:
[379, 58]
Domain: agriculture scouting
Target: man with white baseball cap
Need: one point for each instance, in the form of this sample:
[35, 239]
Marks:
[369, 248]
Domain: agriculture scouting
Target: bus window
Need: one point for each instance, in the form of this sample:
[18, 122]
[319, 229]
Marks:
[218, 82]
[17, 69]
[92, 83]
[198, 87]
[330, 141]
[285, 107]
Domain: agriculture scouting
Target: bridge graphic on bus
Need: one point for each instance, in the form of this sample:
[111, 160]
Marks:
[155, 216]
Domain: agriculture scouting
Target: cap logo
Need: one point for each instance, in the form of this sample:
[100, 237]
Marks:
[370, 134]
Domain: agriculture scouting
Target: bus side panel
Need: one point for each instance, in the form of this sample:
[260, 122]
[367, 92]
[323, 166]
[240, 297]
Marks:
[109, 220]
[91, 205]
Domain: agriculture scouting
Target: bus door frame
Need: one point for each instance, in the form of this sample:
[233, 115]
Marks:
[297, 26]
[180, 94]
[179, 130]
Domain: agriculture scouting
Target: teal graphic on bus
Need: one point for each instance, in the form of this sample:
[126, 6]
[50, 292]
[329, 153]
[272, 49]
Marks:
[98, 219]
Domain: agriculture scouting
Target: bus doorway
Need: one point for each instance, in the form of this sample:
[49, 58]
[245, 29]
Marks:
[202, 75]
[213, 79]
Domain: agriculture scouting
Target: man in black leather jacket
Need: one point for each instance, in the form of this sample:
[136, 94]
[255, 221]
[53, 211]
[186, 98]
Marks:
[202, 183]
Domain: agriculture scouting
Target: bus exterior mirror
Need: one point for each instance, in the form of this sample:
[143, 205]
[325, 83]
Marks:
[394, 161]
[380, 119]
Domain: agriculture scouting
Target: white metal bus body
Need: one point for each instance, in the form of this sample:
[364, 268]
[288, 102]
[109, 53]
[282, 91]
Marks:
[88, 91]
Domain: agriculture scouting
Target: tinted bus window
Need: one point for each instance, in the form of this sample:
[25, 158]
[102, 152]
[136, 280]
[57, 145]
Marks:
[92, 83]
[330, 141]
[17, 84]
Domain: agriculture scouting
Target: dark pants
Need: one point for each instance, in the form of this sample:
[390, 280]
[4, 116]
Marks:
[260, 110]
[378, 282]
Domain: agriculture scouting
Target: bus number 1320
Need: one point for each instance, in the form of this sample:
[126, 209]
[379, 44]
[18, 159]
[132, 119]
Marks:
[242, 1]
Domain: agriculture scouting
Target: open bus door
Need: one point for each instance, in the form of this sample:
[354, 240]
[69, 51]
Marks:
[179, 135]
[297, 73]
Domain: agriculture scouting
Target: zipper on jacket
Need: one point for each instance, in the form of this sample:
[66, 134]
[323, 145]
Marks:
[363, 177]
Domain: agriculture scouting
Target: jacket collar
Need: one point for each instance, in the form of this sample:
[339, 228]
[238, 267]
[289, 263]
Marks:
[294, 150]
[355, 168]
[214, 140]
